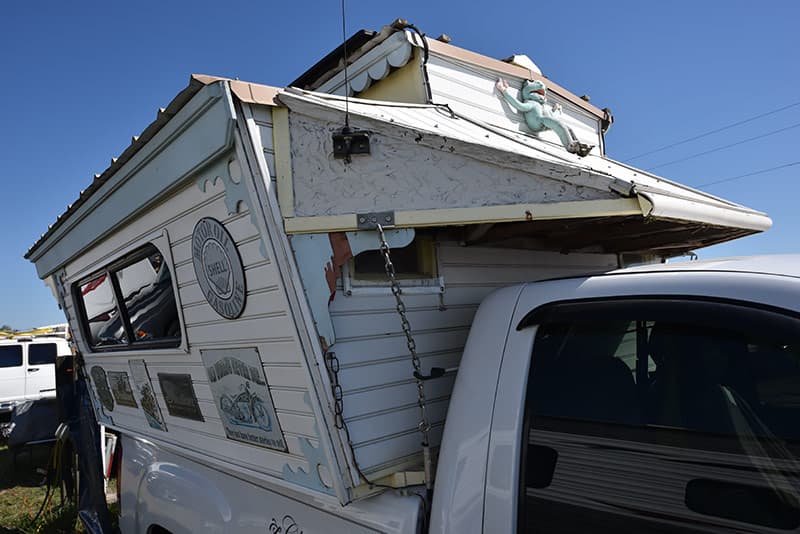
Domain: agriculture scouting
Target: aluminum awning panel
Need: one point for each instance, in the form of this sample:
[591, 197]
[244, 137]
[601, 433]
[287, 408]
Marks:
[659, 198]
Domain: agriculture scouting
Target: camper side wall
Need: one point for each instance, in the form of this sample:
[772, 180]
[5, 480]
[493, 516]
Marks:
[375, 369]
[190, 412]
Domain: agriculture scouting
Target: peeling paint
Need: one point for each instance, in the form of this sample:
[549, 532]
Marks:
[317, 463]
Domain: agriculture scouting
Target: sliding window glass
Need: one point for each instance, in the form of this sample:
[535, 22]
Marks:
[131, 304]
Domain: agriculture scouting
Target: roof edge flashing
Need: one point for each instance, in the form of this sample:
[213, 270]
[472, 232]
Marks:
[661, 206]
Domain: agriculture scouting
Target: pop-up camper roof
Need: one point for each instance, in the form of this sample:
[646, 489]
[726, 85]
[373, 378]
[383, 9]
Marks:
[465, 159]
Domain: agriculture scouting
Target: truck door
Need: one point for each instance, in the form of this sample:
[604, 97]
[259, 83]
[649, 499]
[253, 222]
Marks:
[12, 373]
[41, 372]
[660, 415]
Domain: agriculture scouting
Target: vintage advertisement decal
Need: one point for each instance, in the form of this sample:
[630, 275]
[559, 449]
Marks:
[218, 268]
[121, 388]
[101, 385]
[240, 391]
[103, 417]
[179, 395]
[147, 398]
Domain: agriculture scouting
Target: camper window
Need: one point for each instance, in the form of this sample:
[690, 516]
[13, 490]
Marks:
[10, 356]
[147, 315]
[415, 265]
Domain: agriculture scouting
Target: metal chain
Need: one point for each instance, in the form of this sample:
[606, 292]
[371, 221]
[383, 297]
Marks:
[424, 426]
[338, 404]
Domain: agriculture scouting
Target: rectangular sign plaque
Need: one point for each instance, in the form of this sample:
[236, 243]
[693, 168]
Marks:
[121, 388]
[147, 398]
[241, 393]
[179, 395]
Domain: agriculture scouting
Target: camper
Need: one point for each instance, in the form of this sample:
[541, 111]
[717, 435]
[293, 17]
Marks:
[28, 370]
[309, 309]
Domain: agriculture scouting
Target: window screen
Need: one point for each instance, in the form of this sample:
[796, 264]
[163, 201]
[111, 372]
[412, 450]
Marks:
[663, 418]
[10, 356]
[42, 353]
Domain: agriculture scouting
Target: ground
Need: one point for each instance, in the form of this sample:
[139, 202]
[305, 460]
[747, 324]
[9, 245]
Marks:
[22, 490]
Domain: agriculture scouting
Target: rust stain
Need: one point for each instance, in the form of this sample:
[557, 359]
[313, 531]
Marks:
[341, 254]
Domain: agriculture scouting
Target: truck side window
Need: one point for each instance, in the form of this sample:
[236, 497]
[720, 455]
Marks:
[654, 416]
[131, 304]
[41, 353]
[10, 356]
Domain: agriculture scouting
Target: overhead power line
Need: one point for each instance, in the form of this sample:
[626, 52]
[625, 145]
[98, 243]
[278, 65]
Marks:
[723, 147]
[711, 132]
[754, 173]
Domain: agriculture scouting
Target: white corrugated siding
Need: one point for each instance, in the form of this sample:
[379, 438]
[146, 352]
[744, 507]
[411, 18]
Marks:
[265, 323]
[380, 396]
[470, 90]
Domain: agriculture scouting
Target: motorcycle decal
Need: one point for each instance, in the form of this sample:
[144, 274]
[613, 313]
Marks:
[241, 393]
[101, 385]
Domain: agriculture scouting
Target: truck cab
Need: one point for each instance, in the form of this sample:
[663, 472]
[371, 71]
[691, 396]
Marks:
[652, 399]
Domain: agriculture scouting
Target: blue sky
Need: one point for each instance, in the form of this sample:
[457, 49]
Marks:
[80, 78]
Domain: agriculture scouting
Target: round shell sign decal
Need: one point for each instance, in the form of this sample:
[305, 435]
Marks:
[218, 267]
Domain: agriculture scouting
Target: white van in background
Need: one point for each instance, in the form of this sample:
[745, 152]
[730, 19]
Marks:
[27, 369]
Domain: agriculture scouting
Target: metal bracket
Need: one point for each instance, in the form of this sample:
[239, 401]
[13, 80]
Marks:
[436, 372]
[621, 187]
[370, 221]
[349, 142]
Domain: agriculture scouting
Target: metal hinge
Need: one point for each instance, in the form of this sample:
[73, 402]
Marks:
[370, 221]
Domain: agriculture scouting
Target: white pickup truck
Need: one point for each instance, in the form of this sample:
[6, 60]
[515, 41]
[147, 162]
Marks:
[653, 399]
[28, 370]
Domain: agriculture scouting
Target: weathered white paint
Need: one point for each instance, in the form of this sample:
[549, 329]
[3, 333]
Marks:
[314, 259]
[408, 170]
[283, 161]
[266, 323]
[270, 221]
[375, 366]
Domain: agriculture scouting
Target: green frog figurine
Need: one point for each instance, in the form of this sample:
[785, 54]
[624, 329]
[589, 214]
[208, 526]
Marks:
[539, 116]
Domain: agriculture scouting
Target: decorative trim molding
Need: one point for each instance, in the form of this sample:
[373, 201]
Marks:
[373, 66]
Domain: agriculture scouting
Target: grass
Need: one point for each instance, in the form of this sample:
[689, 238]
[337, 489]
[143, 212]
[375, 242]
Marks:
[22, 492]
